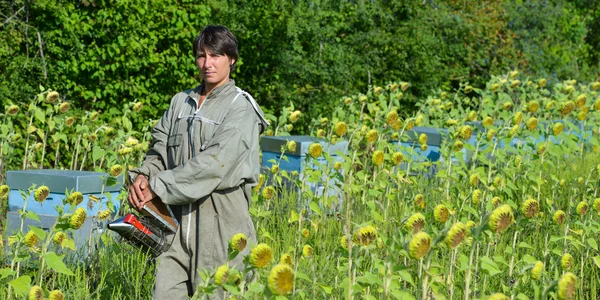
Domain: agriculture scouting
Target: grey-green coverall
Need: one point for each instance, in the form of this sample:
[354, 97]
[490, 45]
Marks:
[203, 162]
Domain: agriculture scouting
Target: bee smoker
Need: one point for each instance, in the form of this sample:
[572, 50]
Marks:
[141, 232]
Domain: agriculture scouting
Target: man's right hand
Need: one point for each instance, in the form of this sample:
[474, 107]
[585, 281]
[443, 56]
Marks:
[139, 192]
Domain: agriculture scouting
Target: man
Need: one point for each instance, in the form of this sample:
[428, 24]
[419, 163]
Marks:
[203, 161]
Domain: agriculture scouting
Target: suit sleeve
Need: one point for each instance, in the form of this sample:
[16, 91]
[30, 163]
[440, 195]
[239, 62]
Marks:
[214, 167]
[154, 161]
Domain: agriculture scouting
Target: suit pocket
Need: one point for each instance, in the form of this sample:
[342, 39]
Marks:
[174, 150]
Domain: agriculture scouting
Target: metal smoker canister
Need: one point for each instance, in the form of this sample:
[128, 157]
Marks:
[140, 233]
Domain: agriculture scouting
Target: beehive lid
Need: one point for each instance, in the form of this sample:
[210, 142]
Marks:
[274, 144]
[58, 181]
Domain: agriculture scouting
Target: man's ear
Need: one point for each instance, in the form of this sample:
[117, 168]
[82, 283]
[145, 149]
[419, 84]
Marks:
[232, 61]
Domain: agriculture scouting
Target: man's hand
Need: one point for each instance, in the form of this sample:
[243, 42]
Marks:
[140, 193]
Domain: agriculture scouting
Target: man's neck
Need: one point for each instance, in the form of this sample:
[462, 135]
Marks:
[208, 88]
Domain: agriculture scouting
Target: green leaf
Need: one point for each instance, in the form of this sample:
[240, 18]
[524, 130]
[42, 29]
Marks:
[293, 217]
[40, 115]
[315, 207]
[405, 275]
[326, 288]
[302, 276]
[21, 285]
[592, 243]
[55, 263]
[32, 215]
[5, 272]
[490, 266]
[597, 260]
[97, 153]
[69, 244]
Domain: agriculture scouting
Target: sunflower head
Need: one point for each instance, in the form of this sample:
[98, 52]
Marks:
[419, 201]
[532, 123]
[476, 196]
[490, 134]
[116, 170]
[472, 116]
[507, 105]
[239, 242]
[377, 158]
[105, 214]
[419, 245]
[567, 286]
[365, 235]
[41, 193]
[31, 239]
[291, 146]
[261, 255]
[59, 237]
[474, 179]
[287, 259]
[321, 133]
[501, 218]
[498, 296]
[315, 150]
[268, 192]
[391, 118]
[340, 128]
[537, 270]
[281, 279]
[566, 107]
[456, 235]
[75, 198]
[78, 218]
[423, 139]
[582, 208]
[566, 261]
[347, 100]
[294, 116]
[344, 242]
[496, 201]
[56, 295]
[397, 158]
[305, 232]
[337, 165]
[596, 205]
[580, 100]
[458, 146]
[415, 223]
[4, 189]
[12, 110]
[372, 135]
[558, 128]
[441, 213]
[517, 118]
[488, 121]
[36, 293]
[222, 275]
[597, 104]
[307, 251]
[530, 208]
[451, 122]
[515, 83]
[275, 169]
[533, 106]
[465, 132]
[419, 120]
[64, 107]
[559, 217]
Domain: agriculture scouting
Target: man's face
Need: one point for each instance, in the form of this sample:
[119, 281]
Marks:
[214, 68]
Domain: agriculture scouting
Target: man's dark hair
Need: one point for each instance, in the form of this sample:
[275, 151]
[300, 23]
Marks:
[219, 40]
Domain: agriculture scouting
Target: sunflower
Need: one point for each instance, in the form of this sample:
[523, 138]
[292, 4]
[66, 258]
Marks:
[532, 123]
[530, 208]
[294, 116]
[377, 158]
[78, 218]
[458, 145]
[137, 106]
[507, 105]
[281, 279]
[533, 106]
[239, 242]
[320, 133]
[496, 201]
[490, 134]
[566, 107]
[397, 158]
[340, 128]
[41, 193]
[287, 259]
[105, 214]
[419, 120]
[36, 293]
[474, 179]
[365, 235]
[537, 270]
[347, 100]
[515, 83]
[419, 245]
[580, 100]
[423, 139]
[337, 165]
[261, 255]
[415, 223]
[268, 192]
[559, 217]
[582, 208]
[344, 242]
[498, 296]
[372, 135]
[465, 132]
[291, 146]
[222, 275]
[476, 196]
[59, 237]
[391, 118]
[419, 201]
[315, 150]
[566, 261]
[305, 232]
[472, 116]
[501, 218]
[517, 118]
[307, 251]
[567, 286]
[261, 180]
[116, 170]
[275, 169]
[12, 110]
[441, 213]
[487, 121]
[31, 239]
[451, 122]
[596, 205]
[4, 191]
[56, 295]
[456, 235]
[64, 107]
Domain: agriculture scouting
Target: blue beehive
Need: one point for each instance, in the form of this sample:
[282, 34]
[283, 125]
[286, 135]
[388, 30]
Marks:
[59, 181]
[411, 147]
[271, 147]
